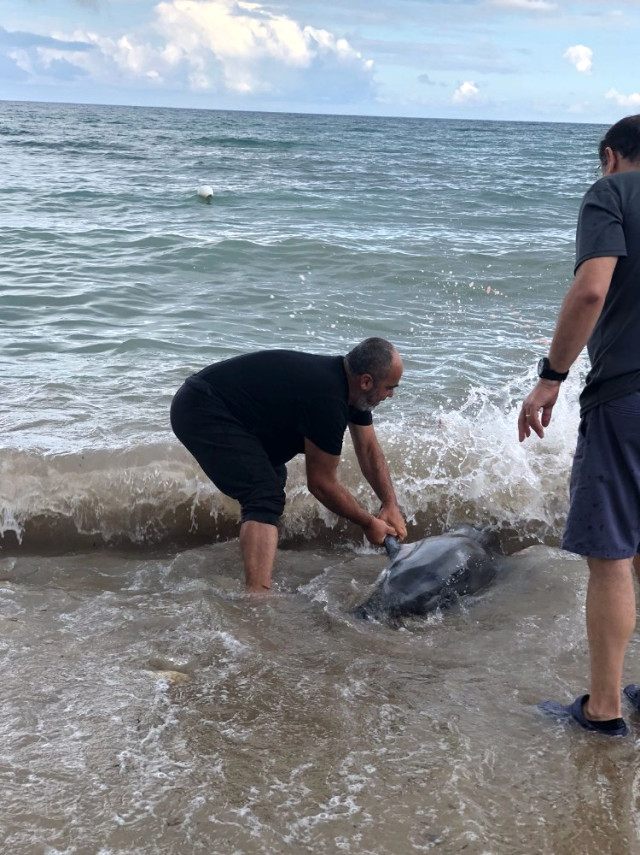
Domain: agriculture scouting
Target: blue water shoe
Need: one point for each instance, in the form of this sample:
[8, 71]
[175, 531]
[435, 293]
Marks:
[574, 713]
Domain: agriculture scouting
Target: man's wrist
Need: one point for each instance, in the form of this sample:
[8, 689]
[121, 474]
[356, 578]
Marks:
[546, 372]
[550, 383]
[389, 503]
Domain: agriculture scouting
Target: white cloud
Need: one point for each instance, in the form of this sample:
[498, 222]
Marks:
[224, 46]
[22, 60]
[244, 39]
[107, 58]
[621, 100]
[527, 5]
[467, 93]
[580, 56]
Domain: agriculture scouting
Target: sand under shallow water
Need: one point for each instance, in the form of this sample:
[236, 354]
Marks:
[150, 706]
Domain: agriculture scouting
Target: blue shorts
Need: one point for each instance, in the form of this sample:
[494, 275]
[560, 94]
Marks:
[604, 513]
[232, 456]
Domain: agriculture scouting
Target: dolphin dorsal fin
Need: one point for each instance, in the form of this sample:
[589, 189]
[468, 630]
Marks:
[392, 545]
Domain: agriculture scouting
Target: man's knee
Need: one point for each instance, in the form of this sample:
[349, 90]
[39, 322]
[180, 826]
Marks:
[266, 500]
[260, 516]
[265, 509]
[609, 566]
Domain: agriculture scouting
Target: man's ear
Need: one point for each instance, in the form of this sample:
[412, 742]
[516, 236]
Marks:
[366, 382]
[612, 160]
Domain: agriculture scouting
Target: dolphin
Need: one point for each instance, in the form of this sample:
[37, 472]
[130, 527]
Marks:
[431, 573]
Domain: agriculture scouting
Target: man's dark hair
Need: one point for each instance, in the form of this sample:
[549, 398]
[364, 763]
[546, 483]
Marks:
[624, 138]
[372, 356]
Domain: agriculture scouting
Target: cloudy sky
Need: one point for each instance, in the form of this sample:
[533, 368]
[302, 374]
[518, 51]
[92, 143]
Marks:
[555, 60]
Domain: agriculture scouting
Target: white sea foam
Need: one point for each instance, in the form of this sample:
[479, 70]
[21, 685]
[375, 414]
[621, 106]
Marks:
[451, 465]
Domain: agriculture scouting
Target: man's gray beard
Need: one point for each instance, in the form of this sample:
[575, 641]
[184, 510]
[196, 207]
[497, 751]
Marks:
[363, 405]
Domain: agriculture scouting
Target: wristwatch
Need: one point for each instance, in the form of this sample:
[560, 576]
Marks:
[546, 372]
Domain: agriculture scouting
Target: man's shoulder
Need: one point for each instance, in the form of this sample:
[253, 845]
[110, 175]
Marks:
[622, 184]
[269, 364]
[279, 359]
[294, 356]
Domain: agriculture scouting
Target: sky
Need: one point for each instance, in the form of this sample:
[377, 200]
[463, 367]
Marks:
[525, 60]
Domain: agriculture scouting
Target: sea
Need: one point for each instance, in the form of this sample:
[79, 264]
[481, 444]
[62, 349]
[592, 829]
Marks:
[149, 705]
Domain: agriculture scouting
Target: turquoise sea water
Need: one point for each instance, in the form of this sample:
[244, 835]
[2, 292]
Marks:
[149, 705]
[452, 239]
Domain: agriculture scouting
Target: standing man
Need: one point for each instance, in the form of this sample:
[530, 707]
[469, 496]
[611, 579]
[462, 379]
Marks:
[602, 309]
[244, 418]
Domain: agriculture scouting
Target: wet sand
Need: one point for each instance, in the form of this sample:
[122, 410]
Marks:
[150, 706]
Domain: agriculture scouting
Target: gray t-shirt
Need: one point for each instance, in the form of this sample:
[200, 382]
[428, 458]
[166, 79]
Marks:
[609, 225]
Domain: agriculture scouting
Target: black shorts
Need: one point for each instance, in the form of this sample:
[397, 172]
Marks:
[604, 515]
[232, 456]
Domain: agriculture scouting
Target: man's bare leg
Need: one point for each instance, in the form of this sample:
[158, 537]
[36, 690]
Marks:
[258, 544]
[611, 618]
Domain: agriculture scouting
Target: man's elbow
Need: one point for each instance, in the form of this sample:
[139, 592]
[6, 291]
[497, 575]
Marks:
[318, 487]
[592, 281]
[592, 296]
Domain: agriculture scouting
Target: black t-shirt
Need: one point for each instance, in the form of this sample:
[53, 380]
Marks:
[609, 225]
[283, 397]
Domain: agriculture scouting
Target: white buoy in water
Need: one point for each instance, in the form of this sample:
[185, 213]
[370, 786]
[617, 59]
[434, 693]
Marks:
[205, 193]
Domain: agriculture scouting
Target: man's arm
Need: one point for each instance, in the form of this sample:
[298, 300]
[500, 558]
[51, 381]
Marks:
[579, 313]
[323, 483]
[373, 465]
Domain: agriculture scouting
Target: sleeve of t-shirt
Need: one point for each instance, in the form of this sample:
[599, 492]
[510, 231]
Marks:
[600, 230]
[360, 417]
[324, 421]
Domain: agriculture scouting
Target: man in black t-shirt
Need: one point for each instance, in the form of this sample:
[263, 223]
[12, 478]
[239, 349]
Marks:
[602, 309]
[244, 418]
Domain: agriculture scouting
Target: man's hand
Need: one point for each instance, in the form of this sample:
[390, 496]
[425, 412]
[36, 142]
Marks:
[392, 516]
[376, 530]
[543, 397]
[578, 316]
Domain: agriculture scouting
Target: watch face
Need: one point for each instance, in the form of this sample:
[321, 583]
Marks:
[542, 365]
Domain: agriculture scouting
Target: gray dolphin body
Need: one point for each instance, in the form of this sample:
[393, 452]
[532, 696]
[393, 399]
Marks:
[432, 573]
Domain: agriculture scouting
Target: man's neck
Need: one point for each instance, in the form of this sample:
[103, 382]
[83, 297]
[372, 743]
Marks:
[352, 383]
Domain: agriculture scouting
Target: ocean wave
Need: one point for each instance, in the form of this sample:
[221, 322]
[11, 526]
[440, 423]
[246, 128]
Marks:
[247, 142]
[453, 466]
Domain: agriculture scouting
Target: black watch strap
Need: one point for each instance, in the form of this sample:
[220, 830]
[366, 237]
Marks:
[546, 372]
